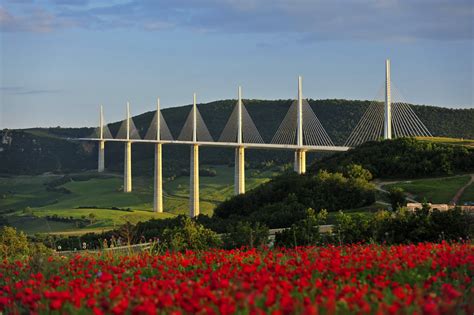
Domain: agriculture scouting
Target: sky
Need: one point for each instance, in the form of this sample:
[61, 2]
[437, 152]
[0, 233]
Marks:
[61, 59]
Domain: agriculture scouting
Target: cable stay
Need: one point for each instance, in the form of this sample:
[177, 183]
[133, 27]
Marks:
[250, 133]
[106, 134]
[165, 133]
[405, 123]
[122, 133]
[313, 131]
[202, 133]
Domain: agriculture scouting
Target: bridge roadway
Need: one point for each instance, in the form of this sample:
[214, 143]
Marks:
[270, 146]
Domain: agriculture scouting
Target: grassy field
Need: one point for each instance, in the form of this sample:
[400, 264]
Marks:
[454, 141]
[435, 190]
[99, 194]
[468, 195]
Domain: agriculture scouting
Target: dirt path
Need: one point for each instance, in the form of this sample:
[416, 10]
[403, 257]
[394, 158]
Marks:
[379, 186]
[461, 191]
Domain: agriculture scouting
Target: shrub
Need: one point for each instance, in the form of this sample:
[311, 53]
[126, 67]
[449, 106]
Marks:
[189, 235]
[304, 232]
[13, 243]
[403, 226]
[352, 228]
[246, 234]
[397, 198]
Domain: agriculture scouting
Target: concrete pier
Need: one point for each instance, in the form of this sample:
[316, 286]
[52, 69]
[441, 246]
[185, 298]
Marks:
[127, 161]
[300, 161]
[127, 168]
[239, 176]
[194, 182]
[300, 154]
[239, 168]
[158, 184]
[101, 149]
[101, 164]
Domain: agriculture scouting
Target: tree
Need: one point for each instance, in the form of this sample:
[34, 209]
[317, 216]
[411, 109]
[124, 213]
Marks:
[189, 235]
[304, 232]
[13, 244]
[92, 217]
[246, 234]
[397, 198]
[357, 171]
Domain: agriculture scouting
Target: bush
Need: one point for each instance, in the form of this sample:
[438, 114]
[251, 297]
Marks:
[397, 198]
[189, 235]
[403, 226]
[352, 228]
[284, 200]
[246, 234]
[13, 243]
[304, 232]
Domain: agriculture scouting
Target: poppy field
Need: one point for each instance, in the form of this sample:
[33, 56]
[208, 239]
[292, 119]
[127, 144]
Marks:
[425, 278]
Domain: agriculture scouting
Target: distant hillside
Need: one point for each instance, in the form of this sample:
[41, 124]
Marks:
[42, 150]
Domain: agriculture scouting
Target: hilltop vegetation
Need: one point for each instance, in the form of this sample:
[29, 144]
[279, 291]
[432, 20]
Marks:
[35, 151]
[286, 198]
[404, 158]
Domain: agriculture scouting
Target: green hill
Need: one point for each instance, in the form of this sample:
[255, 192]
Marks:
[39, 150]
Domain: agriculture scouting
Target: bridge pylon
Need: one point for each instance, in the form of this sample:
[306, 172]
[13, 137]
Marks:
[300, 154]
[127, 163]
[388, 103]
[239, 176]
[158, 183]
[101, 149]
[194, 166]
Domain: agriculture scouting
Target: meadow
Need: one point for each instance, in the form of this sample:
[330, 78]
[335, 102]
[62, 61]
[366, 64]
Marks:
[25, 201]
[434, 190]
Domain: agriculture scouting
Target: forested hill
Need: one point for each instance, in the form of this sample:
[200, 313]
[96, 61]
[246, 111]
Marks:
[45, 149]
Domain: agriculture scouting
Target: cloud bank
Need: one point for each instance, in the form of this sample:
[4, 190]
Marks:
[311, 19]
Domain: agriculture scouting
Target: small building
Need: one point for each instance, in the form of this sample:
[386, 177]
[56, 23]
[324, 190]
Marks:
[412, 206]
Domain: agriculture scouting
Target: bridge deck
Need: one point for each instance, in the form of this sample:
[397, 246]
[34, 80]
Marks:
[270, 146]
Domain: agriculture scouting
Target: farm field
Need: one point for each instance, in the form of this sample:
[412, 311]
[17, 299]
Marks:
[446, 140]
[425, 278]
[468, 195]
[434, 190]
[24, 196]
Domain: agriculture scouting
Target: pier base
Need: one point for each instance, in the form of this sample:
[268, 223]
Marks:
[194, 182]
[158, 185]
[127, 165]
[239, 176]
[300, 161]
[101, 164]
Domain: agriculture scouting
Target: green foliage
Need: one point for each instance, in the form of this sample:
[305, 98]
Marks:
[403, 226]
[284, 200]
[352, 228]
[403, 158]
[357, 171]
[397, 198]
[189, 235]
[246, 234]
[13, 243]
[303, 232]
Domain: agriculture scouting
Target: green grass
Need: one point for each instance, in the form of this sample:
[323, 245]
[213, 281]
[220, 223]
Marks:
[468, 195]
[437, 190]
[445, 140]
[100, 193]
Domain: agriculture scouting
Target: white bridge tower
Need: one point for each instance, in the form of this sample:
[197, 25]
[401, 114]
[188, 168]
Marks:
[387, 134]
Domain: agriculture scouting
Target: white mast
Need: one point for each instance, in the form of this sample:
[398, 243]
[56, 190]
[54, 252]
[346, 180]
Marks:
[388, 103]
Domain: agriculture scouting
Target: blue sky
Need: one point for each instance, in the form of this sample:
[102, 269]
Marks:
[60, 59]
